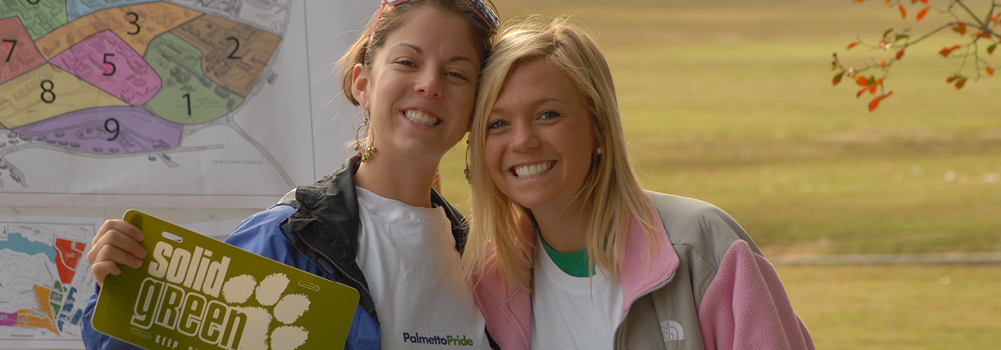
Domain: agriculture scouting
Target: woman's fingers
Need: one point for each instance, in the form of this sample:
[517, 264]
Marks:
[116, 242]
[102, 269]
[118, 233]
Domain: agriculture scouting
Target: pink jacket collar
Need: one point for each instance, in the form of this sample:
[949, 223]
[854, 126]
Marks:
[508, 312]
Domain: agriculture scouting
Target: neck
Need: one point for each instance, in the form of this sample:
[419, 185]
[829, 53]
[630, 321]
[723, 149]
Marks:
[405, 180]
[563, 228]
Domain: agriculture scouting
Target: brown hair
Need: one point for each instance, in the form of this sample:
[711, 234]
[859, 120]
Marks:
[392, 18]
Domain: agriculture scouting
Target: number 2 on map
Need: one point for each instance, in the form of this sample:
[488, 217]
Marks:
[135, 18]
[13, 43]
[231, 54]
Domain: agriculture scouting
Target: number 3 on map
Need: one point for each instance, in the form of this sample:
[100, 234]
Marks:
[135, 18]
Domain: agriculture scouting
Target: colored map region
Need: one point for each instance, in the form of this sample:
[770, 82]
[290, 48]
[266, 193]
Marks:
[106, 131]
[79, 8]
[105, 61]
[137, 25]
[43, 277]
[45, 92]
[39, 17]
[115, 78]
[233, 54]
[187, 96]
[19, 54]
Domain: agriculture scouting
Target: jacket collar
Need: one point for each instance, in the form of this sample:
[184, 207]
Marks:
[508, 310]
[325, 227]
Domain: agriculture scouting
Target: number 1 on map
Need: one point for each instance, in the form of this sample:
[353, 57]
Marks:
[188, 97]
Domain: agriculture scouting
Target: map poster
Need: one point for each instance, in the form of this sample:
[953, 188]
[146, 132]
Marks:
[45, 281]
[194, 292]
[171, 103]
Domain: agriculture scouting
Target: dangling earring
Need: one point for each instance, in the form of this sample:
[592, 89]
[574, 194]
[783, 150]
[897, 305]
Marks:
[467, 162]
[364, 153]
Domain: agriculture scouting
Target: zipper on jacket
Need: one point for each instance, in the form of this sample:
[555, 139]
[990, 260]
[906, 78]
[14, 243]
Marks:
[615, 336]
[341, 270]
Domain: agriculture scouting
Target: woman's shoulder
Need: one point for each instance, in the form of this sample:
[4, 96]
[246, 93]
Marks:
[698, 225]
[261, 233]
[675, 209]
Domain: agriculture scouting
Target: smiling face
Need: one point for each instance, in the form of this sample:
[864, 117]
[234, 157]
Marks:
[539, 140]
[421, 86]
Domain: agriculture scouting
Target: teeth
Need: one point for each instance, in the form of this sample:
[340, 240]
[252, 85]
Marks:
[421, 118]
[530, 171]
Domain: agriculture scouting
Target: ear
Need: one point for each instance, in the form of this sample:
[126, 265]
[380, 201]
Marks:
[359, 86]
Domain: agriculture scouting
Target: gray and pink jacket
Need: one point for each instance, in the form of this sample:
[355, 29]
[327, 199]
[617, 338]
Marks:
[708, 287]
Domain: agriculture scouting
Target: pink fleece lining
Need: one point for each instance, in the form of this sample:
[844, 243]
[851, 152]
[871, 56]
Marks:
[639, 272]
[746, 307]
[508, 311]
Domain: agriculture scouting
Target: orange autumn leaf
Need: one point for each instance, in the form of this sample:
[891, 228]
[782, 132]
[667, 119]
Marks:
[923, 12]
[946, 51]
[990, 71]
[862, 81]
[875, 103]
[850, 46]
[872, 89]
[960, 83]
[882, 65]
[925, 2]
[900, 54]
[903, 11]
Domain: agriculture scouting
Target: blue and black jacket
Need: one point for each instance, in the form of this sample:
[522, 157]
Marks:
[314, 228]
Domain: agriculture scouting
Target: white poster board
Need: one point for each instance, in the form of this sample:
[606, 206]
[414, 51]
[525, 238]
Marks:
[172, 103]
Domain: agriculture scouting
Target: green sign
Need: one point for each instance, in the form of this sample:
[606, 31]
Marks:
[193, 292]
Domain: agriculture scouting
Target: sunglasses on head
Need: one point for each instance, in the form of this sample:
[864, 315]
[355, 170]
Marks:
[479, 7]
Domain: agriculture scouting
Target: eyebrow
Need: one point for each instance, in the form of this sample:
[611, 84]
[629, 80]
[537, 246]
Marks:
[421, 52]
[532, 105]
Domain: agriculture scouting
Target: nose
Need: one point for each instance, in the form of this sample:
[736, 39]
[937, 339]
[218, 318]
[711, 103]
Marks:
[429, 84]
[523, 137]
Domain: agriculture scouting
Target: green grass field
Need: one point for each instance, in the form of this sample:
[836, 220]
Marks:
[731, 102]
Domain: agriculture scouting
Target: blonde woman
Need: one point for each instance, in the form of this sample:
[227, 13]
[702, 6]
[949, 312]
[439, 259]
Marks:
[567, 251]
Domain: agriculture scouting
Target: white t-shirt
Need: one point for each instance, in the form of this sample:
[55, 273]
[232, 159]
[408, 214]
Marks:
[572, 312]
[408, 256]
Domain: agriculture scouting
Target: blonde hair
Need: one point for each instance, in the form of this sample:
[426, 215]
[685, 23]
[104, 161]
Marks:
[498, 236]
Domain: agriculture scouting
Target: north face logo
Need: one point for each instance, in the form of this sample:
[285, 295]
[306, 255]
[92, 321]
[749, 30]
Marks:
[672, 331]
